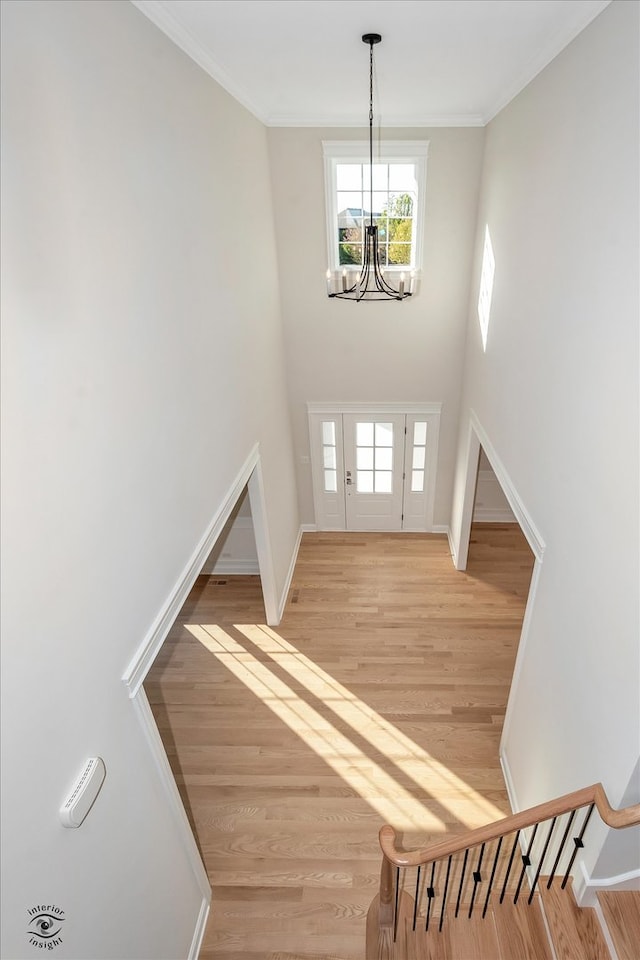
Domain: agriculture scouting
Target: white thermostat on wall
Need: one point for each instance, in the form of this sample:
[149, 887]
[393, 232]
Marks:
[84, 792]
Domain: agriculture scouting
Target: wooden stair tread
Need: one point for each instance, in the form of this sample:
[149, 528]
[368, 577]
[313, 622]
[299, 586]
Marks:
[302, 956]
[575, 930]
[621, 911]
[521, 931]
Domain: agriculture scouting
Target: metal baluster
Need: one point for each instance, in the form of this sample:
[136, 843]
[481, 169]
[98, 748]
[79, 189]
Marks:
[444, 896]
[477, 878]
[561, 850]
[578, 844]
[544, 853]
[491, 878]
[464, 867]
[415, 905]
[431, 893]
[506, 876]
[526, 862]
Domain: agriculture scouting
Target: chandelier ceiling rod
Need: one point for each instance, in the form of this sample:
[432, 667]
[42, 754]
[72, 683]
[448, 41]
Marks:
[371, 283]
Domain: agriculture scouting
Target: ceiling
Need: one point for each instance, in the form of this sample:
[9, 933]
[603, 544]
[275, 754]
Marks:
[440, 63]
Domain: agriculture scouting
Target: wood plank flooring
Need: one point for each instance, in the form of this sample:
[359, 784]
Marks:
[379, 698]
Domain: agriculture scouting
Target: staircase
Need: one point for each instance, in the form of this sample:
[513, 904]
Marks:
[503, 892]
[550, 928]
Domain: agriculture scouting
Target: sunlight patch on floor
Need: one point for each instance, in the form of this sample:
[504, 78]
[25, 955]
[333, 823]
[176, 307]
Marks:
[384, 794]
[429, 774]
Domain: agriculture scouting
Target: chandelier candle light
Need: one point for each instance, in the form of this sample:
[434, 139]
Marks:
[371, 283]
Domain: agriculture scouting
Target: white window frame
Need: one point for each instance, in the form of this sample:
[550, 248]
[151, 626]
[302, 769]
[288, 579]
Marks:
[386, 151]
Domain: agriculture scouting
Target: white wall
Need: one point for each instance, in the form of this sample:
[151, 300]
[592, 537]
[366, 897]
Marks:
[557, 394]
[139, 370]
[410, 351]
[491, 504]
[235, 550]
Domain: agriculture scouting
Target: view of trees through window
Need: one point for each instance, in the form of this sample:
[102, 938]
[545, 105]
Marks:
[394, 205]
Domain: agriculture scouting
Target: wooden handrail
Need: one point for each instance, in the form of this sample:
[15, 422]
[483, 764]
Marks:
[628, 817]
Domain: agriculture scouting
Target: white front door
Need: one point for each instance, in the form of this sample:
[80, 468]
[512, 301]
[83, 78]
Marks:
[374, 467]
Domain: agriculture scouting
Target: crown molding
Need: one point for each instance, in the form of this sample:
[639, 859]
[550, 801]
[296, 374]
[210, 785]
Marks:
[538, 63]
[157, 13]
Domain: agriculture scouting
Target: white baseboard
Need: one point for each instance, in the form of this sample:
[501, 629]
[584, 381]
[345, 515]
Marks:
[246, 568]
[174, 800]
[489, 515]
[308, 527]
[586, 889]
[440, 528]
[198, 933]
[285, 591]
[508, 779]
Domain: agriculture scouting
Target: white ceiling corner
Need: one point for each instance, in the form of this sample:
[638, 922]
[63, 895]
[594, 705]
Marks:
[440, 63]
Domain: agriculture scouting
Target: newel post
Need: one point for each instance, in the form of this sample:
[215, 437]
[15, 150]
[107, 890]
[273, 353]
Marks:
[386, 889]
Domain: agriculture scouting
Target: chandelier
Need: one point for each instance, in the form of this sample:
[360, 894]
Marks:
[370, 283]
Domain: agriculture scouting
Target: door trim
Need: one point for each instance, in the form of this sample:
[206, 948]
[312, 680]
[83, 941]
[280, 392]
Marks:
[317, 409]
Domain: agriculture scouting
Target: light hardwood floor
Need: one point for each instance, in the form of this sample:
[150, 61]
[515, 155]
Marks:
[379, 698]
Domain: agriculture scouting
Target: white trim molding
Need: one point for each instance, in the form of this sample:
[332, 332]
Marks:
[586, 889]
[156, 746]
[287, 585]
[386, 151]
[330, 507]
[250, 475]
[198, 933]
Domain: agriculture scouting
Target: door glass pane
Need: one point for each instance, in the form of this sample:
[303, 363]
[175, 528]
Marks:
[330, 481]
[384, 434]
[329, 432]
[418, 458]
[384, 458]
[364, 458]
[383, 481]
[364, 434]
[330, 457]
[364, 482]
[417, 481]
[420, 433]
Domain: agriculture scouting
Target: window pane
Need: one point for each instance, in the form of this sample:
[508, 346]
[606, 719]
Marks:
[349, 176]
[380, 176]
[350, 253]
[384, 434]
[402, 176]
[417, 481]
[384, 458]
[380, 201]
[350, 234]
[364, 481]
[349, 204]
[401, 204]
[330, 481]
[383, 481]
[400, 253]
[364, 458]
[330, 457]
[420, 432]
[364, 434]
[400, 230]
[329, 432]
[418, 458]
